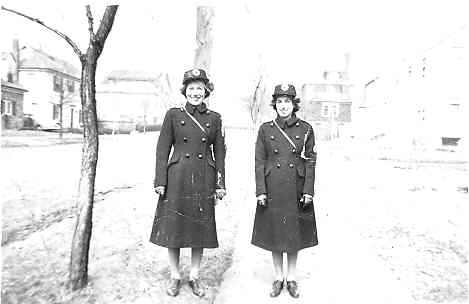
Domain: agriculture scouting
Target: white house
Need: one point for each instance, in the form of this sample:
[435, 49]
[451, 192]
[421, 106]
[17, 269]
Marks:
[53, 85]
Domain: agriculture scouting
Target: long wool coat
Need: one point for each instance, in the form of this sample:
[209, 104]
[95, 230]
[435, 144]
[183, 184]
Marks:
[185, 215]
[283, 175]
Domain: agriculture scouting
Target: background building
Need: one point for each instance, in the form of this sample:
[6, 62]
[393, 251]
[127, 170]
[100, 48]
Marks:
[327, 103]
[129, 100]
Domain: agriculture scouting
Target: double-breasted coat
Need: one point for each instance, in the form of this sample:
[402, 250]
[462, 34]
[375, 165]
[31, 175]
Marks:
[185, 215]
[284, 176]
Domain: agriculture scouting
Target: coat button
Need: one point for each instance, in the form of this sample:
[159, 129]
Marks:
[200, 156]
[271, 124]
[291, 165]
[276, 151]
[272, 137]
[297, 136]
[183, 122]
[204, 139]
[185, 139]
[278, 165]
[297, 124]
[293, 150]
[187, 155]
[208, 112]
[207, 125]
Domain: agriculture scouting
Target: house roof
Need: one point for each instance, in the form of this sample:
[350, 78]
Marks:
[135, 82]
[132, 75]
[13, 85]
[33, 58]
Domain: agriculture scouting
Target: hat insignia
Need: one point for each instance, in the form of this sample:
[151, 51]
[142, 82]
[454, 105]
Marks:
[285, 87]
[195, 72]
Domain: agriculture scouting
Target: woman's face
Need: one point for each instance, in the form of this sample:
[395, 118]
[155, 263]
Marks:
[284, 106]
[195, 92]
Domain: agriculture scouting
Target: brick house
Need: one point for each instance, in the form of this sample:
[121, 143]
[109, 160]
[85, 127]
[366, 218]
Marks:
[12, 105]
[327, 104]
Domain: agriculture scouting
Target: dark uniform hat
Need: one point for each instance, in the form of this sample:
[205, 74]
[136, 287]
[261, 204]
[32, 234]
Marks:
[284, 90]
[195, 74]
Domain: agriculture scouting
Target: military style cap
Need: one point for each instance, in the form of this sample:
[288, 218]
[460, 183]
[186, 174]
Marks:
[195, 74]
[285, 90]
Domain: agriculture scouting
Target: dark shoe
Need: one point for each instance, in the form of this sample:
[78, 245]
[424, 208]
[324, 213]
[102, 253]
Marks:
[292, 287]
[173, 287]
[197, 288]
[277, 287]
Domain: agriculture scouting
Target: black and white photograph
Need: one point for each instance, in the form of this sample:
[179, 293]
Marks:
[226, 152]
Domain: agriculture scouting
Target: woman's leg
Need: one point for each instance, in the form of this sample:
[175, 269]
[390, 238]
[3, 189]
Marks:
[291, 272]
[194, 281]
[292, 285]
[196, 258]
[277, 258]
[174, 262]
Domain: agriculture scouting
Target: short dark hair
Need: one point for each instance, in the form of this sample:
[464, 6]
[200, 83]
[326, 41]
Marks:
[295, 102]
[207, 85]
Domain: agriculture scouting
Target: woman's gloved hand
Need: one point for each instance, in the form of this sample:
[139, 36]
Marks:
[262, 200]
[307, 201]
[160, 190]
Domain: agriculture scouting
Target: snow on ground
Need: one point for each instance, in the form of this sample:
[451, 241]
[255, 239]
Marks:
[391, 225]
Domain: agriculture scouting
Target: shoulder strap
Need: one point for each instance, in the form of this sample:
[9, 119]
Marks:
[284, 134]
[194, 119]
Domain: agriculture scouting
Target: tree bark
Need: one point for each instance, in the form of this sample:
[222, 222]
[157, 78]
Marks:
[204, 37]
[78, 269]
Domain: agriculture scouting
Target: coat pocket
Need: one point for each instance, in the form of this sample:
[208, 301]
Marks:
[173, 160]
[301, 170]
[211, 162]
[268, 169]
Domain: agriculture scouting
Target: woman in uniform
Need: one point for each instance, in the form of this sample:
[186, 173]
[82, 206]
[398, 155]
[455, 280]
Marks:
[189, 180]
[285, 163]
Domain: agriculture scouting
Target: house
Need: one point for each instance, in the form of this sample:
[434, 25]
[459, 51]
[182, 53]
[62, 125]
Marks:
[12, 93]
[129, 100]
[53, 86]
[423, 100]
[327, 103]
[12, 105]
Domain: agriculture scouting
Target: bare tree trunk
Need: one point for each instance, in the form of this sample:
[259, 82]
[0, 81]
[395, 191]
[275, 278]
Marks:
[204, 37]
[78, 270]
[81, 238]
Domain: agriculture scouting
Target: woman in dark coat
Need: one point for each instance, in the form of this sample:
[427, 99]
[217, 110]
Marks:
[285, 168]
[190, 180]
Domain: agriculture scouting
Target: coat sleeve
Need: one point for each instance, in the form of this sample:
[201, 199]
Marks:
[219, 151]
[310, 162]
[163, 148]
[259, 163]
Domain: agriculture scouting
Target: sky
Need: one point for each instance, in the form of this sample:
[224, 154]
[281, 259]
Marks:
[293, 41]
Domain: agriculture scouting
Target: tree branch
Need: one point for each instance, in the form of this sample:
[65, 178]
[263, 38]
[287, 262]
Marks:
[105, 26]
[69, 41]
[90, 23]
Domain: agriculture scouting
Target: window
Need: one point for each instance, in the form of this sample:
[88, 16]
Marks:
[320, 89]
[8, 107]
[80, 117]
[330, 109]
[338, 89]
[70, 85]
[325, 110]
[13, 108]
[57, 83]
[55, 111]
